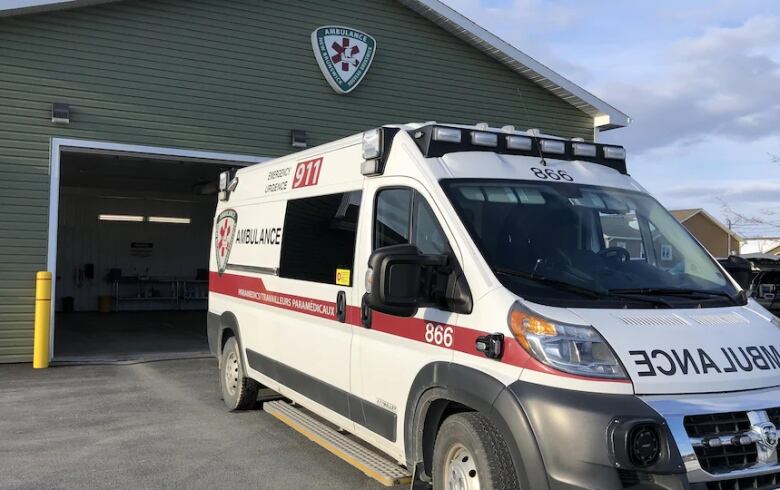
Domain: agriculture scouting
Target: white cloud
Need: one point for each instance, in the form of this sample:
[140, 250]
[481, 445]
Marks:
[745, 191]
[755, 33]
[725, 82]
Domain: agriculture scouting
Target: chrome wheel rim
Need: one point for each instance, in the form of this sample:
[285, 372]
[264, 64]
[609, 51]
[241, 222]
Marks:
[231, 373]
[460, 471]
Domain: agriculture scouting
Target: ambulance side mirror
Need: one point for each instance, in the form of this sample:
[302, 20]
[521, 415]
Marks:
[400, 280]
[739, 269]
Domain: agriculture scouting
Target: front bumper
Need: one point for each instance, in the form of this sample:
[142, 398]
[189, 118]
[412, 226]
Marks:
[573, 434]
[572, 431]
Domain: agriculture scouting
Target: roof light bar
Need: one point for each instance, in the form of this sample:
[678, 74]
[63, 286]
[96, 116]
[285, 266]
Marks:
[615, 152]
[524, 143]
[121, 217]
[553, 146]
[584, 149]
[482, 138]
[448, 135]
[437, 141]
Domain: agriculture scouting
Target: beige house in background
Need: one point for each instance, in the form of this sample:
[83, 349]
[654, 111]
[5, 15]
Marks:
[714, 235]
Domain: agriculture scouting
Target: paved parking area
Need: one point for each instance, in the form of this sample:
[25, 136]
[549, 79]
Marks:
[147, 426]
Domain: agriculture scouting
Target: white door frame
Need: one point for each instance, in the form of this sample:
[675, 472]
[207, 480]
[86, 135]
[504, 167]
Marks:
[103, 147]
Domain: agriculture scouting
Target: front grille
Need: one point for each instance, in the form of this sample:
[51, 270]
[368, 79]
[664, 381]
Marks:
[725, 458]
[774, 416]
[764, 482]
[717, 424]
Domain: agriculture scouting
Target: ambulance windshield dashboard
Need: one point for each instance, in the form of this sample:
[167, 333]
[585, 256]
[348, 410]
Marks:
[572, 245]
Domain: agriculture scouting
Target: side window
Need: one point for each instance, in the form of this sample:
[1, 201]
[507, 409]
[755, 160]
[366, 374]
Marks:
[427, 234]
[319, 237]
[403, 216]
[393, 217]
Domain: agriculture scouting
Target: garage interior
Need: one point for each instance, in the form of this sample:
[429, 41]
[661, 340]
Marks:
[132, 257]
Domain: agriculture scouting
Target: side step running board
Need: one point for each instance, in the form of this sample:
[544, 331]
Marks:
[373, 464]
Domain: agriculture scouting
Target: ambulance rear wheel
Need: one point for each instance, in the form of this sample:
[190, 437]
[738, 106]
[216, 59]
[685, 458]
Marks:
[238, 391]
[470, 454]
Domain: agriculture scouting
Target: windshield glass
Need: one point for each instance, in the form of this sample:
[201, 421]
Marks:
[567, 244]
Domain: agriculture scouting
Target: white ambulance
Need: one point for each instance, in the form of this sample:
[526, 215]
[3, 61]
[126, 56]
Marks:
[495, 309]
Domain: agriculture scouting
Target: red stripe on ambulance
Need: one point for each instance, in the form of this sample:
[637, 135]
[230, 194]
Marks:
[454, 337]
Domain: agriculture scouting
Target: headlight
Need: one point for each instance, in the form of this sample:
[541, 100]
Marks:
[574, 349]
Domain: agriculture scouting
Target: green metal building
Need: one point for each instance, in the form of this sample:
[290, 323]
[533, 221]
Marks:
[150, 84]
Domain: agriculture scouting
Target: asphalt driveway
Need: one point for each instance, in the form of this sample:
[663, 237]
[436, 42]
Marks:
[148, 426]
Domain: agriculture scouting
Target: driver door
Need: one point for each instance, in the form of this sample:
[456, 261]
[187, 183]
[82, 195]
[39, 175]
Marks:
[388, 354]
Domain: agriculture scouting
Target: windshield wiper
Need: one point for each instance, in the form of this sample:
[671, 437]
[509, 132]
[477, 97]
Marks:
[676, 292]
[592, 293]
[552, 282]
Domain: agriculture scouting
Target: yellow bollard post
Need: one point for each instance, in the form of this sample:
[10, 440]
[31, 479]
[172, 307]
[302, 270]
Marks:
[42, 320]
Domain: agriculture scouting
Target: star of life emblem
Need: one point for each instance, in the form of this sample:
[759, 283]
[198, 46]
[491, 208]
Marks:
[224, 233]
[344, 55]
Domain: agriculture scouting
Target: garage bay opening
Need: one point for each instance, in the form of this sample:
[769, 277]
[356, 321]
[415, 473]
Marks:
[132, 256]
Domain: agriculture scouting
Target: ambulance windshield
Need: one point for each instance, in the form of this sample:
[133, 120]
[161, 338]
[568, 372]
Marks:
[566, 244]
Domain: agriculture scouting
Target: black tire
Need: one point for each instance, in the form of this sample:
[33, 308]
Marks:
[238, 391]
[469, 447]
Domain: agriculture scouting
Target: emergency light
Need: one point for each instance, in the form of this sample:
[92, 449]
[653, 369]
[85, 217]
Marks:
[519, 143]
[447, 135]
[556, 147]
[227, 184]
[584, 149]
[372, 144]
[376, 147]
[615, 152]
[483, 138]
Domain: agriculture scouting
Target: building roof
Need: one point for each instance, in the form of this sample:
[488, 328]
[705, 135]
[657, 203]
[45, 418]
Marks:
[684, 215]
[605, 116]
[762, 245]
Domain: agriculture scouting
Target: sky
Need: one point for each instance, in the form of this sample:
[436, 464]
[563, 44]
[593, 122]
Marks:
[699, 78]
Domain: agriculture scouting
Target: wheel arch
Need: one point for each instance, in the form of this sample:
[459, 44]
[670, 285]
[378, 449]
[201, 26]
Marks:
[442, 389]
[220, 329]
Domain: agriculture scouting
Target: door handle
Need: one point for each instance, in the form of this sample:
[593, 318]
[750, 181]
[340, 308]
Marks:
[341, 306]
[365, 314]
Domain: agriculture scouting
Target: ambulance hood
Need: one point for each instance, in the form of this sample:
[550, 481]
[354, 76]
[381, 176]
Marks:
[693, 350]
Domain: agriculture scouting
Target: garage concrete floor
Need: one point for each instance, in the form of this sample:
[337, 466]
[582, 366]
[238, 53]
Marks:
[149, 425]
[129, 336]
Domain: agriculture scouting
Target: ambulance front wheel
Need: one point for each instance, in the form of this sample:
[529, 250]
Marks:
[470, 454]
[238, 391]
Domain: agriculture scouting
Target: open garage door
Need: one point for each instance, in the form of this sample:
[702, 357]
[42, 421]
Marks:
[133, 235]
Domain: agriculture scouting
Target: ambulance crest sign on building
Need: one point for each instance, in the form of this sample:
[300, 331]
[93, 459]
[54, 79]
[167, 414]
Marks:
[344, 55]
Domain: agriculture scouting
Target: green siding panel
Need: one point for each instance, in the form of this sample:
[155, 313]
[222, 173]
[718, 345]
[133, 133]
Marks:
[232, 77]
